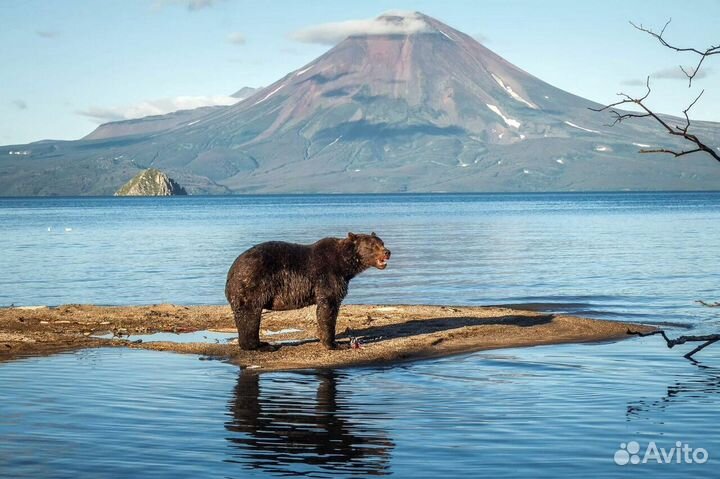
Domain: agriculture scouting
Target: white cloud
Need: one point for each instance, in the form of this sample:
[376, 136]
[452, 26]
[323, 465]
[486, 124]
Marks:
[237, 38]
[633, 82]
[670, 74]
[190, 4]
[393, 22]
[198, 4]
[47, 33]
[677, 74]
[155, 107]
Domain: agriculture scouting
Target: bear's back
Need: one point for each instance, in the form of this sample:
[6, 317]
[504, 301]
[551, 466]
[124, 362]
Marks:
[273, 256]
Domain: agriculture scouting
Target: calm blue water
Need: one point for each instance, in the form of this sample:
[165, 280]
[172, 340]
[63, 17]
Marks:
[557, 411]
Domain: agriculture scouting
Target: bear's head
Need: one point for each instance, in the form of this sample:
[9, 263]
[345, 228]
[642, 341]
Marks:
[370, 250]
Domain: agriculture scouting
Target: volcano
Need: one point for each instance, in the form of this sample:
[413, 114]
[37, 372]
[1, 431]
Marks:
[427, 109]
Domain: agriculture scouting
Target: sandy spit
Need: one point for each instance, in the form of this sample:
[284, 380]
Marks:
[385, 334]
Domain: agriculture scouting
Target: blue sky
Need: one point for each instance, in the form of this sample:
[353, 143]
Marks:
[69, 65]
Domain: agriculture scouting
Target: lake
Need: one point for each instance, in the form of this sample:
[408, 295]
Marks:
[552, 411]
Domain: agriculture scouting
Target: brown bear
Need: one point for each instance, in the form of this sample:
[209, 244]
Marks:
[279, 276]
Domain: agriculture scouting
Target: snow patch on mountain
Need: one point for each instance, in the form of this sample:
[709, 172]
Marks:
[512, 93]
[446, 35]
[569, 123]
[269, 95]
[508, 121]
[300, 72]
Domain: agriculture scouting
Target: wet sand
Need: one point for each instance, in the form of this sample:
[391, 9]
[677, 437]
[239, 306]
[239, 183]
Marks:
[386, 334]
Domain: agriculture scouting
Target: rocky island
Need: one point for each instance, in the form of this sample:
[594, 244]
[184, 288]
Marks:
[151, 182]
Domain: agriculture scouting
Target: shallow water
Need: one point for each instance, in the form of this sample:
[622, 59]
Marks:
[555, 411]
[193, 337]
[559, 411]
[610, 255]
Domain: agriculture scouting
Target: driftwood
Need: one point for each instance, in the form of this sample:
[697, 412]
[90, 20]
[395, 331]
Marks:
[709, 305]
[707, 340]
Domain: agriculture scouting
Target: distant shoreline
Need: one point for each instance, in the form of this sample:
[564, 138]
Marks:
[388, 334]
[394, 194]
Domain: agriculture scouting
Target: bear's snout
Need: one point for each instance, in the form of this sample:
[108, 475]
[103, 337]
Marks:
[382, 258]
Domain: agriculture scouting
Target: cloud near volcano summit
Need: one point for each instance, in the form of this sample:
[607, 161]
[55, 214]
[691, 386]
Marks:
[154, 107]
[389, 23]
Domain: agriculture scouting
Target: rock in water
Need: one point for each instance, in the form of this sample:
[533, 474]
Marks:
[151, 182]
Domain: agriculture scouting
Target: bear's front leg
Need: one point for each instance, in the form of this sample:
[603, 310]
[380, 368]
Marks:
[247, 320]
[327, 312]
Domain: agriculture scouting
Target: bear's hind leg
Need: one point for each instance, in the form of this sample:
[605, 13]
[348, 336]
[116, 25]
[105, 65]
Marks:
[247, 320]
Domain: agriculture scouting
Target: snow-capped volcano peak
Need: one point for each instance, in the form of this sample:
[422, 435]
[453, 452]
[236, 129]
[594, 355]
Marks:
[400, 102]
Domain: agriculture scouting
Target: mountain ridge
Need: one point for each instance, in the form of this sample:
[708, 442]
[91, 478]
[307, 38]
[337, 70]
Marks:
[432, 110]
[157, 123]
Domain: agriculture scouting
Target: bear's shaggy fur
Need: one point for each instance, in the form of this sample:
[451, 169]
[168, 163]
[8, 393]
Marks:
[280, 276]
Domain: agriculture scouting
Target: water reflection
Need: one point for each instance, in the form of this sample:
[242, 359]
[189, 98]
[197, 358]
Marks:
[704, 385]
[303, 426]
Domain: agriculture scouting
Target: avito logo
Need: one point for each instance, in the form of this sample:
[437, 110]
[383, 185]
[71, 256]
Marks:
[680, 454]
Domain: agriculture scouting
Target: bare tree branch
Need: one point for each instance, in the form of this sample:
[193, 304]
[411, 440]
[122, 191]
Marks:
[709, 305]
[676, 130]
[707, 340]
[712, 50]
[679, 131]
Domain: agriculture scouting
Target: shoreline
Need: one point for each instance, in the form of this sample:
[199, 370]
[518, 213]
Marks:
[388, 333]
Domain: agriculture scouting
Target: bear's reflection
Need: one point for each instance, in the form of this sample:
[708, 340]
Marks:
[296, 425]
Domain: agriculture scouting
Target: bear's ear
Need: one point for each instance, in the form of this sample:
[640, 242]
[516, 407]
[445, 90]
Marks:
[352, 236]
[373, 234]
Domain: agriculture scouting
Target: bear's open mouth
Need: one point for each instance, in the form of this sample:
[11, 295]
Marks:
[381, 263]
